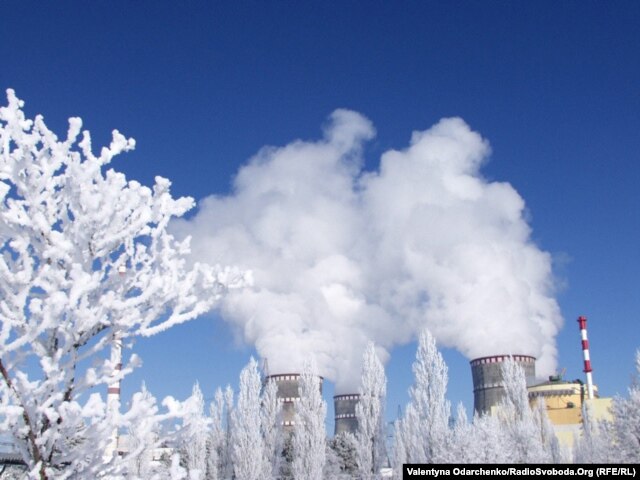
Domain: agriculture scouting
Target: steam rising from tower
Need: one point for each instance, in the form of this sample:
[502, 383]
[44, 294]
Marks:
[342, 256]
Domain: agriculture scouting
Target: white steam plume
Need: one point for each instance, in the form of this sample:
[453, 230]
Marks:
[341, 256]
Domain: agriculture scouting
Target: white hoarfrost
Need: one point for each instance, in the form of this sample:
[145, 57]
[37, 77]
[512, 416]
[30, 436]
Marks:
[248, 451]
[271, 424]
[217, 434]
[143, 435]
[425, 425]
[370, 446]
[85, 257]
[626, 422]
[194, 435]
[309, 435]
[522, 431]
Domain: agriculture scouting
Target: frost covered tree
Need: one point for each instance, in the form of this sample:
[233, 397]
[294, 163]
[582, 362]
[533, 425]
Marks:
[86, 258]
[217, 434]
[194, 435]
[248, 451]
[626, 422]
[461, 447]
[517, 418]
[149, 432]
[594, 444]
[219, 463]
[399, 448]
[550, 444]
[425, 427]
[370, 435]
[176, 471]
[341, 456]
[489, 440]
[12, 472]
[271, 425]
[331, 470]
[226, 451]
[309, 435]
[143, 435]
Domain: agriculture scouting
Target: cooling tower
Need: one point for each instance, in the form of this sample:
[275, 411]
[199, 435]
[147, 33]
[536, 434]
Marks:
[345, 413]
[288, 394]
[487, 379]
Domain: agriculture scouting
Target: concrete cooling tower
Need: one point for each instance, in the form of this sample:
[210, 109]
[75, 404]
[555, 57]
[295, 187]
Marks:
[345, 413]
[288, 394]
[487, 379]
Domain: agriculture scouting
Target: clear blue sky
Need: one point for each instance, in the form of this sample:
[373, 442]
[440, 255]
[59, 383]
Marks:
[202, 86]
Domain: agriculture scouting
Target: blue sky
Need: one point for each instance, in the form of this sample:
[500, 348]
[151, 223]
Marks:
[202, 86]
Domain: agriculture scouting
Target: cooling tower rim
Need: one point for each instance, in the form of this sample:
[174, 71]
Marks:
[277, 376]
[501, 358]
[347, 396]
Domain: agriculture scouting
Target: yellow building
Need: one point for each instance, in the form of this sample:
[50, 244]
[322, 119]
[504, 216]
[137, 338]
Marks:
[564, 401]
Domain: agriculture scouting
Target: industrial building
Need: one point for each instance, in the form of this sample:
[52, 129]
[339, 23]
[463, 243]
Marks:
[564, 400]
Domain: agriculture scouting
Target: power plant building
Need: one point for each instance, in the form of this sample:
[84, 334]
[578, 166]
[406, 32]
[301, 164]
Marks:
[564, 402]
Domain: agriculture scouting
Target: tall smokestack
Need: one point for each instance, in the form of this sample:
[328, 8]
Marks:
[288, 394]
[488, 382]
[582, 324]
[345, 413]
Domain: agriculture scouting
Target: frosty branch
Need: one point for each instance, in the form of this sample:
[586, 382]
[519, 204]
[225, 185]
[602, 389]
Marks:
[85, 255]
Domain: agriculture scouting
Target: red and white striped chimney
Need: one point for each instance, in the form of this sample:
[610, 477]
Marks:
[582, 322]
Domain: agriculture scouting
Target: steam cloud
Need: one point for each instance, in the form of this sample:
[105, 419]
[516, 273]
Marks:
[341, 256]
